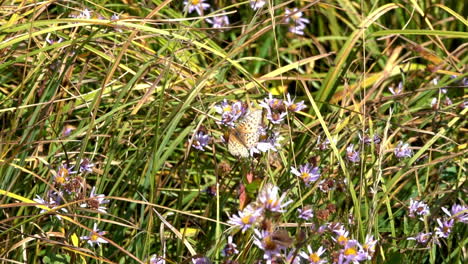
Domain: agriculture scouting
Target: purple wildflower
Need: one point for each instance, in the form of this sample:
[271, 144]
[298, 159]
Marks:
[403, 150]
[305, 213]
[307, 173]
[445, 227]
[458, 212]
[195, 5]
[353, 155]
[200, 140]
[418, 208]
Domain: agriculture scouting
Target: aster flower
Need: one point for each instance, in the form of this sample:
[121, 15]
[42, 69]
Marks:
[353, 155]
[369, 246]
[155, 259]
[230, 248]
[457, 212]
[322, 229]
[275, 117]
[421, 238]
[305, 213]
[67, 130]
[298, 24]
[273, 103]
[292, 106]
[377, 139]
[246, 218]
[94, 237]
[200, 140]
[403, 150]
[352, 253]
[271, 143]
[86, 166]
[219, 21]
[95, 201]
[365, 139]
[264, 240]
[54, 201]
[50, 41]
[61, 177]
[230, 113]
[307, 173]
[256, 4]
[115, 17]
[398, 90]
[323, 145]
[418, 208]
[195, 5]
[342, 236]
[270, 200]
[314, 257]
[445, 227]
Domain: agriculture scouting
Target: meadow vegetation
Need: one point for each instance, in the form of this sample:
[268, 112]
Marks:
[212, 131]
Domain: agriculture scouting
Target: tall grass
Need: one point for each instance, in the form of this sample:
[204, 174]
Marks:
[129, 95]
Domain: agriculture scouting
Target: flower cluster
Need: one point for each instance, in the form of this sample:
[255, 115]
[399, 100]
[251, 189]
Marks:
[70, 185]
[457, 213]
[268, 203]
[276, 243]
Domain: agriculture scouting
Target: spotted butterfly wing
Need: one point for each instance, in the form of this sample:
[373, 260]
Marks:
[246, 134]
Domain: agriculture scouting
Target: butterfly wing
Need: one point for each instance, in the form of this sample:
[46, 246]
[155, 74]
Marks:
[246, 134]
[236, 146]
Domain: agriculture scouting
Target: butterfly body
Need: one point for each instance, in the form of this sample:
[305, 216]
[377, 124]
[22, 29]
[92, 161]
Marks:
[246, 134]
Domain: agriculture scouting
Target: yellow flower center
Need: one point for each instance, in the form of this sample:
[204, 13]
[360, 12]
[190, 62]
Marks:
[350, 251]
[304, 175]
[342, 240]
[227, 108]
[295, 16]
[93, 237]
[314, 257]
[63, 172]
[246, 219]
[272, 203]
[60, 180]
[195, 2]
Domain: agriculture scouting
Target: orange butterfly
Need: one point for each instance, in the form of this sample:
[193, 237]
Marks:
[246, 134]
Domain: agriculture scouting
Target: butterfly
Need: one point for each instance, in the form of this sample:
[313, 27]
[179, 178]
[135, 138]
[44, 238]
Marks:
[246, 134]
